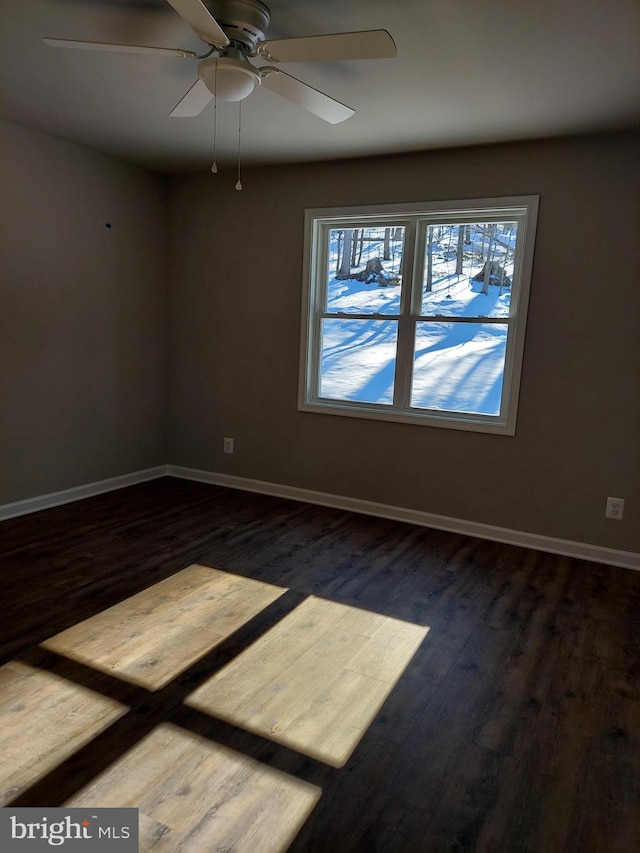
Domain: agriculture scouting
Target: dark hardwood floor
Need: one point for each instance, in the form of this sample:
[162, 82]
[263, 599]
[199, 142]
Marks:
[515, 726]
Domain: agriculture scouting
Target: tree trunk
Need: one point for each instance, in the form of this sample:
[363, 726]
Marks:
[386, 254]
[428, 285]
[345, 264]
[354, 247]
[460, 250]
[360, 247]
[338, 253]
[487, 269]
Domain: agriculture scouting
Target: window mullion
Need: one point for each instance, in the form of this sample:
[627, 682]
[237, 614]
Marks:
[404, 347]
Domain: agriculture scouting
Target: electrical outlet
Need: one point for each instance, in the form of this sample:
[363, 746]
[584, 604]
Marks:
[615, 508]
[228, 445]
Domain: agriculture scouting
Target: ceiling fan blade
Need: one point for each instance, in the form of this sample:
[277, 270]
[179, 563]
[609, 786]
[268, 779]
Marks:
[193, 102]
[305, 96]
[116, 48]
[370, 44]
[200, 19]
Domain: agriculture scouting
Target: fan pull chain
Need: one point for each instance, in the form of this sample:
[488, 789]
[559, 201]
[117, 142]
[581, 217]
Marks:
[238, 182]
[214, 168]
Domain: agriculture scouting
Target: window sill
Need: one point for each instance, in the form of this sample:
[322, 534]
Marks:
[469, 423]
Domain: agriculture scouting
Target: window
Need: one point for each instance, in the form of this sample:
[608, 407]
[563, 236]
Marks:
[417, 313]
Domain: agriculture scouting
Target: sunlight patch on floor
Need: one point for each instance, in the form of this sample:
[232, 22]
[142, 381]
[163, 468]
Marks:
[316, 680]
[153, 636]
[195, 796]
[45, 719]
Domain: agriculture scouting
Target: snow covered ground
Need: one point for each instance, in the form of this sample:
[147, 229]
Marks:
[457, 367]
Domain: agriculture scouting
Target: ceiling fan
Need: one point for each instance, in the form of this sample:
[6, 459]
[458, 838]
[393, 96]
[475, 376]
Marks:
[235, 36]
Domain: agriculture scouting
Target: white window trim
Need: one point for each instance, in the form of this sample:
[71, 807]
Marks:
[522, 208]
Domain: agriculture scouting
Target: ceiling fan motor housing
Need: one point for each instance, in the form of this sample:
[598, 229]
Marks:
[243, 21]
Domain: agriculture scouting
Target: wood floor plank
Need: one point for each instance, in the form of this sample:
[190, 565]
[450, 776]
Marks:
[154, 635]
[333, 723]
[386, 653]
[44, 719]
[296, 674]
[194, 796]
[154, 837]
[441, 737]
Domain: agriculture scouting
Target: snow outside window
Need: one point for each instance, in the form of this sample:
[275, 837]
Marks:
[417, 313]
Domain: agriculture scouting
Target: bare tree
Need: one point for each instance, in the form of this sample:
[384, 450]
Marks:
[460, 250]
[505, 245]
[338, 253]
[488, 262]
[428, 284]
[360, 247]
[344, 268]
[354, 246]
[386, 253]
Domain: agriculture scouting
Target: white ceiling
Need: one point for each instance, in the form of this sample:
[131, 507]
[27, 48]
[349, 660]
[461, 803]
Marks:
[467, 72]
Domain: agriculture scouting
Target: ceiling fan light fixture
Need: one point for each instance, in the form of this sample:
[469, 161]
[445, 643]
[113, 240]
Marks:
[232, 80]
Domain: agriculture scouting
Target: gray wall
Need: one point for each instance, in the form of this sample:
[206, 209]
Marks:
[82, 316]
[235, 272]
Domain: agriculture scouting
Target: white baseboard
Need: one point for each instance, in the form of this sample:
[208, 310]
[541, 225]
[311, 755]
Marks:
[566, 547]
[78, 492]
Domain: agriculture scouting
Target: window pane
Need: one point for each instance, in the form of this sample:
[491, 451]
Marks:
[459, 367]
[364, 274]
[468, 269]
[358, 360]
